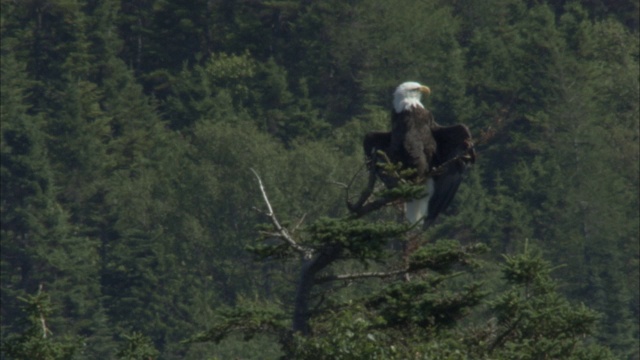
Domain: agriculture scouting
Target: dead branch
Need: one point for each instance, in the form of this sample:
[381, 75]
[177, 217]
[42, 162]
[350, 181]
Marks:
[341, 184]
[295, 228]
[43, 322]
[284, 233]
[439, 170]
[359, 208]
[364, 275]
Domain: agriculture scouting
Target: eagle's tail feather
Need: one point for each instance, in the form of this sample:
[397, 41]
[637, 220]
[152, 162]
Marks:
[416, 210]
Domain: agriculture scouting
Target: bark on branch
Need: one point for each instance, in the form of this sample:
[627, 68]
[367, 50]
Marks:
[282, 231]
[373, 274]
[359, 208]
[43, 321]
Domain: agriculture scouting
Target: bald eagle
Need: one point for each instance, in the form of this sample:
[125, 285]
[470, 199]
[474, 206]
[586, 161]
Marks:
[418, 142]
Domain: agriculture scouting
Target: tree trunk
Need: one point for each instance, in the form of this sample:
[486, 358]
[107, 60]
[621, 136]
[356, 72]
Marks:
[311, 265]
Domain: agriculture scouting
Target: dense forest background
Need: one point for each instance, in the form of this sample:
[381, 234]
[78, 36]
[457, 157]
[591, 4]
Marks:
[129, 129]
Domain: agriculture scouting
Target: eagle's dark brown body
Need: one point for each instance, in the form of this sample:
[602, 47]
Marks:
[418, 142]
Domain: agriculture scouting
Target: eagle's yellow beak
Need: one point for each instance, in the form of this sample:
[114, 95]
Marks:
[425, 90]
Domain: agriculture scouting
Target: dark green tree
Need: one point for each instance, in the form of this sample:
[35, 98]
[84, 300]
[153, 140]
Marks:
[36, 340]
[531, 320]
[325, 247]
[137, 347]
[39, 243]
[128, 131]
[559, 169]
[417, 296]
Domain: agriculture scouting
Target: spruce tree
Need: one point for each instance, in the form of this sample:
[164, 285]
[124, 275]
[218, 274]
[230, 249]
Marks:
[423, 295]
[36, 339]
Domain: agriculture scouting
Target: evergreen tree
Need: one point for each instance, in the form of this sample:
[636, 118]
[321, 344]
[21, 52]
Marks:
[533, 320]
[563, 139]
[138, 347]
[39, 245]
[36, 340]
[129, 128]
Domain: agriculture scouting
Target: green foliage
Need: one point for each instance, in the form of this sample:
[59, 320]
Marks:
[423, 304]
[128, 131]
[346, 335]
[137, 347]
[246, 321]
[36, 340]
[359, 239]
[417, 320]
[40, 245]
[534, 321]
[444, 254]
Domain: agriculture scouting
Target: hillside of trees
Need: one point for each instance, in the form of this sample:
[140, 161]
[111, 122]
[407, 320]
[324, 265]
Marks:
[143, 142]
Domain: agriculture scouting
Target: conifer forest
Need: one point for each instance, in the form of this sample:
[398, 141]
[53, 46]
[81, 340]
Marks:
[179, 178]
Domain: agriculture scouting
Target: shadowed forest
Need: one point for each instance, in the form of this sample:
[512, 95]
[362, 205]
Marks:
[133, 226]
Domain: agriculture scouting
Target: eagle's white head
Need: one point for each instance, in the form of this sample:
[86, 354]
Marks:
[408, 95]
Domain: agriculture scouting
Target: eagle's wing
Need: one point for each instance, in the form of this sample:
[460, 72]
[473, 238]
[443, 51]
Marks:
[454, 155]
[373, 142]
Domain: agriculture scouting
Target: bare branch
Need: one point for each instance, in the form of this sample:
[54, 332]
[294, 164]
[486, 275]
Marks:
[373, 274]
[284, 233]
[270, 234]
[258, 210]
[299, 223]
[359, 208]
[43, 322]
[441, 169]
[341, 184]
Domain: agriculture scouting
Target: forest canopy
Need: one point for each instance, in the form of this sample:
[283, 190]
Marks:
[128, 204]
